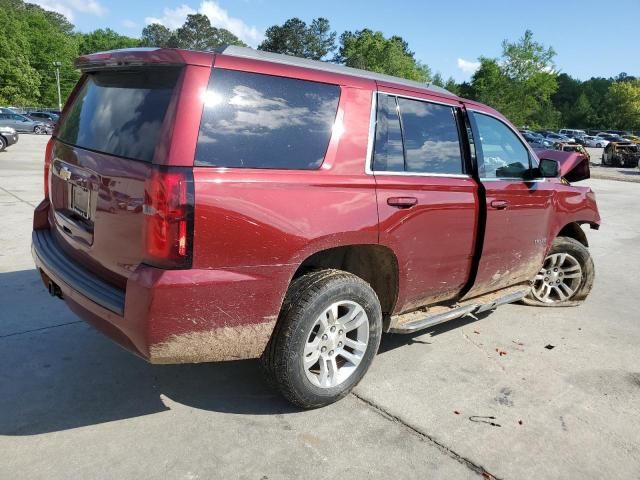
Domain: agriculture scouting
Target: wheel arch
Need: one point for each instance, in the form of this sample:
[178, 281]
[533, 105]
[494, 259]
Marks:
[375, 264]
[573, 230]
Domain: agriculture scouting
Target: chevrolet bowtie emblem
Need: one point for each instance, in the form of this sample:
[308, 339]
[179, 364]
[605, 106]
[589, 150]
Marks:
[64, 173]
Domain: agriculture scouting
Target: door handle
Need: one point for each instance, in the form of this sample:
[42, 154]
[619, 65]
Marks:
[499, 204]
[402, 202]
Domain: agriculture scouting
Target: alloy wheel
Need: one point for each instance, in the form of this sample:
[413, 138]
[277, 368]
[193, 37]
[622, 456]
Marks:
[558, 279]
[336, 344]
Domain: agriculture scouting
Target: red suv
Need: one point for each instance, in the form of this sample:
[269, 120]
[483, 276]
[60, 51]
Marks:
[238, 204]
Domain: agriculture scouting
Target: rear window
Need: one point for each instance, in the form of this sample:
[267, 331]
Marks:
[253, 120]
[120, 113]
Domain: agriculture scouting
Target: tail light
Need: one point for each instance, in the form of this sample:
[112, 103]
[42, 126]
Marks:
[168, 218]
[47, 165]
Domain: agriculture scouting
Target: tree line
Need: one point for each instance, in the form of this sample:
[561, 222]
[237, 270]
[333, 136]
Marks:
[522, 83]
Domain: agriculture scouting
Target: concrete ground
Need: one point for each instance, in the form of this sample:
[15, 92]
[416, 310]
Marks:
[564, 402]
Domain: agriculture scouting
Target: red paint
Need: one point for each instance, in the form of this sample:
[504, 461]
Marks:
[253, 228]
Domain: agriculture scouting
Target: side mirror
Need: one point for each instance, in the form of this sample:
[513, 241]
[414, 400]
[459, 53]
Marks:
[548, 168]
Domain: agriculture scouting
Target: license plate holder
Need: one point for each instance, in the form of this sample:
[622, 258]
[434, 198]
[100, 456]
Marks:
[80, 201]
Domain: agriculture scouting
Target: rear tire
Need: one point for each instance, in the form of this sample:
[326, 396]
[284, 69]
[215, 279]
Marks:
[566, 277]
[327, 335]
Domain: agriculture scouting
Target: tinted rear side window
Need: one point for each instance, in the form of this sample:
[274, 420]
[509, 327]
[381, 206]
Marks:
[431, 139]
[120, 113]
[252, 120]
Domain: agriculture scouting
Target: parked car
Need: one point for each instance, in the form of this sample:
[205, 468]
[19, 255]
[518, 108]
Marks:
[44, 117]
[612, 137]
[571, 133]
[573, 147]
[619, 133]
[22, 123]
[597, 142]
[537, 141]
[294, 211]
[621, 154]
[8, 137]
[555, 137]
[632, 138]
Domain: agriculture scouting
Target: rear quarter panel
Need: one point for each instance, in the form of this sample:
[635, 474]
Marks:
[261, 224]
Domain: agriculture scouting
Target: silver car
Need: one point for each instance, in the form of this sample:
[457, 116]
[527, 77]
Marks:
[598, 142]
[8, 136]
[22, 123]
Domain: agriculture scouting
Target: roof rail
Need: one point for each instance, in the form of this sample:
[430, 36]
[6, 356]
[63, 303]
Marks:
[245, 52]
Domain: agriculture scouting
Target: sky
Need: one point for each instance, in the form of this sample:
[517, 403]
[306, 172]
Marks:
[590, 39]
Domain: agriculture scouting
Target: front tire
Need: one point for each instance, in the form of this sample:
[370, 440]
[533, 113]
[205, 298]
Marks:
[37, 130]
[3, 144]
[327, 335]
[566, 277]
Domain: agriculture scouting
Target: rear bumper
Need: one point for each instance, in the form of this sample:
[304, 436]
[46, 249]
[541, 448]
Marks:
[171, 316]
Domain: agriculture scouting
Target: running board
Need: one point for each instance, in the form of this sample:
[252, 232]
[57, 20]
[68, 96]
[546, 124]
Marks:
[415, 321]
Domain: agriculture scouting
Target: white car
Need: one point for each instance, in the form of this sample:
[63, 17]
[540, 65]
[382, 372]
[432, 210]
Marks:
[570, 132]
[598, 142]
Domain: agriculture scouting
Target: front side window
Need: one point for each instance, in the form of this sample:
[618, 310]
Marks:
[252, 120]
[504, 155]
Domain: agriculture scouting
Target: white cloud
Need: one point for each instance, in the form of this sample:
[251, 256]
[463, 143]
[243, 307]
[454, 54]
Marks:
[87, 6]
[172, 17]
[468, 66]
[220, 18]
[69, 8]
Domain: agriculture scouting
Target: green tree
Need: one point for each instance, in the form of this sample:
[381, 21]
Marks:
[155, 35]
[519, 84]
[32, 39]
[197, 34]
[623, 99]
[296, 38]
[104, 39]
[370, 50]
[19, 81]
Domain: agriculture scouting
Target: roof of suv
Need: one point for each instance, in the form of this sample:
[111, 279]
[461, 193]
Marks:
[250, 53]
[137, 56]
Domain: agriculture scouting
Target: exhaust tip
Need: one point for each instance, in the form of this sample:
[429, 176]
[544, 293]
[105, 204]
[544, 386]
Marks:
[54, 290]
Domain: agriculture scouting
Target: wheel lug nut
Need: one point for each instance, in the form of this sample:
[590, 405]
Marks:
[331, 352]
[339, 344]
[558, 281]
[323, 349]
[340, 332]
[555, 269]
[333, 329]
[546, 279]
[324, 337]
[548, 272]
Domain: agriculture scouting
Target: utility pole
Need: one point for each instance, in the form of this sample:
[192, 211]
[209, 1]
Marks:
[57, 65]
